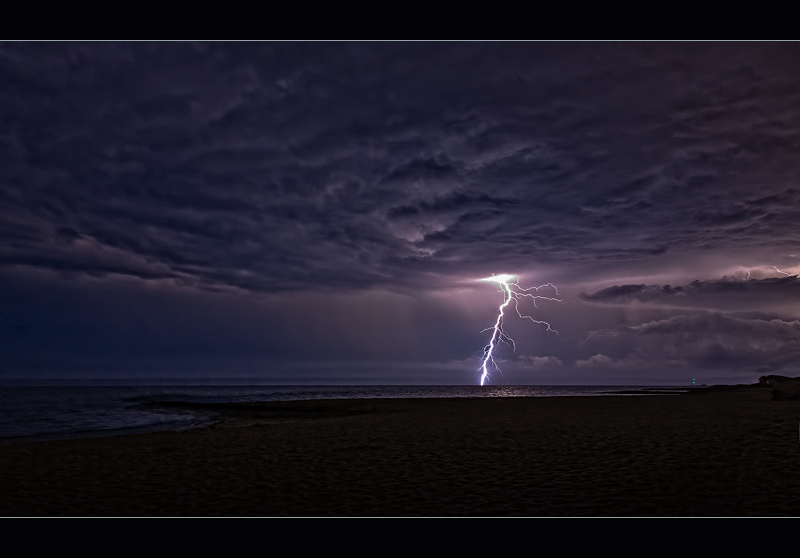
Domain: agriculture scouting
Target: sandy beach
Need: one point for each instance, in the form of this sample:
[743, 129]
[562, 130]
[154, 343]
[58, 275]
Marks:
[728, 452]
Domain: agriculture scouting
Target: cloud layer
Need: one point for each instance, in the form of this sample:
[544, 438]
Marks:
[277, 166]
[354, 170]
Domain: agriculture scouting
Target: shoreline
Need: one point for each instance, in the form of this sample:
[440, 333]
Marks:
[719, 452]
[202, 411]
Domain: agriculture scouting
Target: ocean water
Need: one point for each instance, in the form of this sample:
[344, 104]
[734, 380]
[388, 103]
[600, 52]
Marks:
[41, 412]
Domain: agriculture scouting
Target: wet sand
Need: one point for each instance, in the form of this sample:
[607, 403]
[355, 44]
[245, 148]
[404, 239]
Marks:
[733, 452]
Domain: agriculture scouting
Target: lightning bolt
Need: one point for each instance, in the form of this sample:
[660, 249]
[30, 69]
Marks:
[772, 267]
[512, 291]
[779, 271]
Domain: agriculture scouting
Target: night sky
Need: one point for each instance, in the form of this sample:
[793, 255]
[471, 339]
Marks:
[314, 212]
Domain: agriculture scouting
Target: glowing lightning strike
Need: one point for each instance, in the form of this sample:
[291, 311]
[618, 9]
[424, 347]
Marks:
[772, 267]
[506, 282]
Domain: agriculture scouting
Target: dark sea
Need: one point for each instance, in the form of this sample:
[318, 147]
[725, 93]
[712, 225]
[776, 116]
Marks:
[46, 412]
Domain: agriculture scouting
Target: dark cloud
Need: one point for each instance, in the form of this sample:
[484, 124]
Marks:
[284, 169]
[265, 166]
[700, 341]
[729, 294]
[735, 324]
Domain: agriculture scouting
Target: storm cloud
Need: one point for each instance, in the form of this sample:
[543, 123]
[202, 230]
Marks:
[265, 166]
[273, 169]
[727, 294]
[700, 341]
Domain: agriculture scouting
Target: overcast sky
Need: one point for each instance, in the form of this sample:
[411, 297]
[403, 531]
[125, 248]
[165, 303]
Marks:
[320, 212]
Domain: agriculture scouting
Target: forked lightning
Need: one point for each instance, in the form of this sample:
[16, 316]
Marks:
[512, 291]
